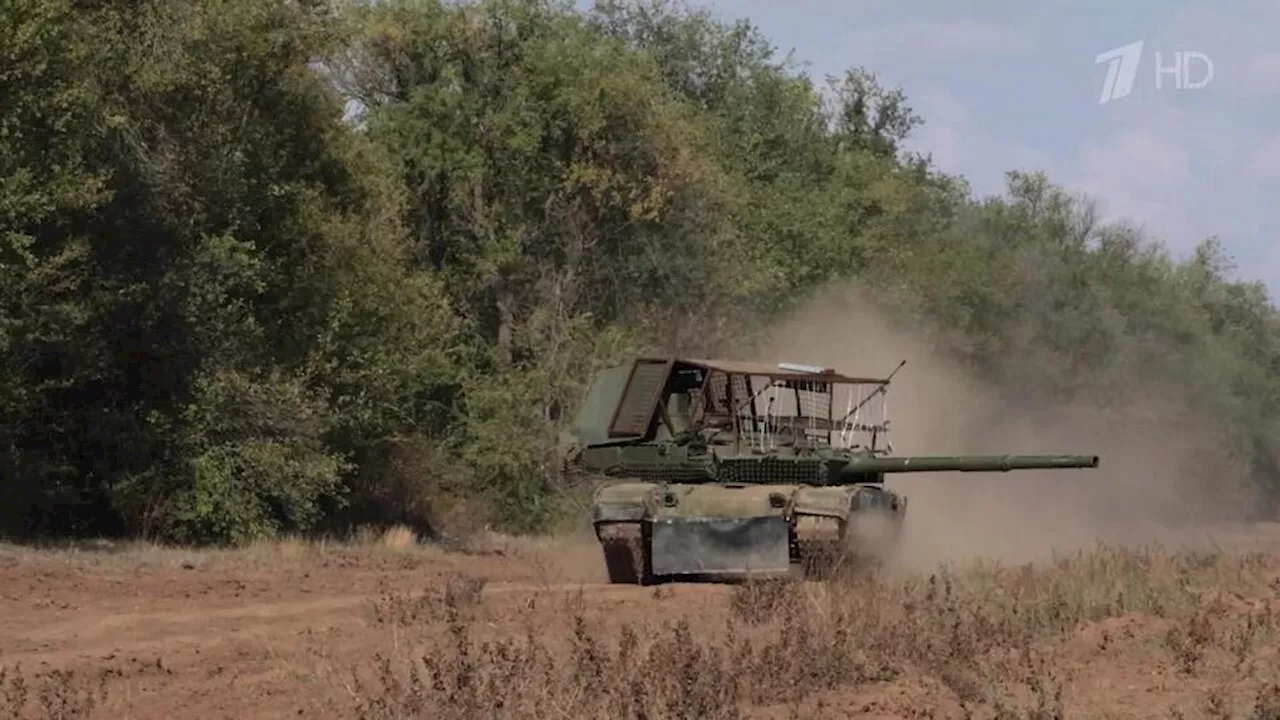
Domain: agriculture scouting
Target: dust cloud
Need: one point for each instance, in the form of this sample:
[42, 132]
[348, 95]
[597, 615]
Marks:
[1163, 477]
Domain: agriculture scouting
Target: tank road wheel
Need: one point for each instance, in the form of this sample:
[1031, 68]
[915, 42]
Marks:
[819, 546]
[625, 552]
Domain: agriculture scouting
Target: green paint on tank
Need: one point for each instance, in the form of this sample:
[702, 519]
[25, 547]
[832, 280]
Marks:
[715, 467]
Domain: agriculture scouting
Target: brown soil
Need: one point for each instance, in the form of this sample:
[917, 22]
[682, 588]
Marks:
[294, 630]
[261, 635]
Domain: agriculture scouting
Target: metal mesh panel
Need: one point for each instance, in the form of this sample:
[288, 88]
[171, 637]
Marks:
[637, 406]
[711, 403]
[814, 400]
[718, 393]
[796, 400]
[741, 393]
[773, 470]
[693, 471]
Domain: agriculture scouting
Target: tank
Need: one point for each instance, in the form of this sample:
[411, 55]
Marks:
[718, 469]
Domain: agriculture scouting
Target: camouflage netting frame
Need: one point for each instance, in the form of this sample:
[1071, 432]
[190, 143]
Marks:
[759, 407]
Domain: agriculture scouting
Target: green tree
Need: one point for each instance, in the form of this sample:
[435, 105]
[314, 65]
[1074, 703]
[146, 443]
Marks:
[216, 244]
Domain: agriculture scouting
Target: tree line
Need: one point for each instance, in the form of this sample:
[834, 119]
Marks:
[297, 265]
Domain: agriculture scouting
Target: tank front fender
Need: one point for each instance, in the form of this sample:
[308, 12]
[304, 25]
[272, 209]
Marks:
[624, 502]
[824, 501]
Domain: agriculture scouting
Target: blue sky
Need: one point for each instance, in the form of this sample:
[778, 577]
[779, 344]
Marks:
[1008, 85]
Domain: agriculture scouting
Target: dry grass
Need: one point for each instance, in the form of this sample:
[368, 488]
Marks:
[987, 639]
[135, 554]
[1198, 635]
[50, 693]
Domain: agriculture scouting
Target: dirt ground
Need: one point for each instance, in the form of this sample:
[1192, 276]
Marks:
[261, 633]
[284, 630]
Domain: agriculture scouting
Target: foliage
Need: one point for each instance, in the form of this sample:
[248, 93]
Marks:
[261, 264]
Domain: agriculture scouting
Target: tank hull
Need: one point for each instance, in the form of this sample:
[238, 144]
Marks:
[715, 531]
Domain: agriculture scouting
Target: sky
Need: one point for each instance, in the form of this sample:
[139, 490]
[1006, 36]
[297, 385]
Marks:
[1016, 85]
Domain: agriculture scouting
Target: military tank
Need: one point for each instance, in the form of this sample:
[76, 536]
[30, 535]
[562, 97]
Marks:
[718, 469]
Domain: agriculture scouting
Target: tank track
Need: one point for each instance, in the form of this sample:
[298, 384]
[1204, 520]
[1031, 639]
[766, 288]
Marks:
[817, 545]
[624, 555]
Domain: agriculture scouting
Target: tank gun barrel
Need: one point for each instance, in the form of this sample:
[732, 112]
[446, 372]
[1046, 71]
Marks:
[967, 463]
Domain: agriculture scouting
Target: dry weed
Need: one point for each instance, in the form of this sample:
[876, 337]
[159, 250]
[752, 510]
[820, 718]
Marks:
[397, 542]
[1266, 705]
[780, 643]
[459, 594]
[1189, 641]
[54, 694]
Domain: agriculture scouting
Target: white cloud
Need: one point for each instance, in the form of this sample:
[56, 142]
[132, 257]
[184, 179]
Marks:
[1133, 163]
[950, 36]
[1237, 39]
[1263, 75]
[1267, 161]
[1186, 173]
[961, 145]
[1136, 175]
[1181, 173]
[1185, 164]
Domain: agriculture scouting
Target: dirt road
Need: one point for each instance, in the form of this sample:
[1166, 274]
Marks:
[271, 637]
